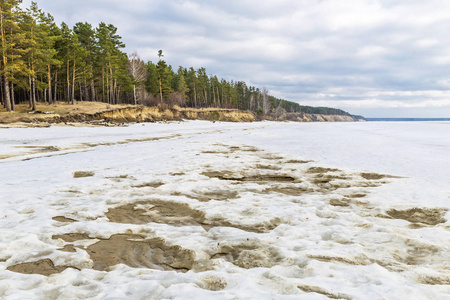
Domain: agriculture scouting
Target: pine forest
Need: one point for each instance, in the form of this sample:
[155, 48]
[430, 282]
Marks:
[45, 62]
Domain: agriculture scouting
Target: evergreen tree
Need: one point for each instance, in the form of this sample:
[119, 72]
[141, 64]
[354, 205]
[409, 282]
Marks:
[111, 60]
[182, 86]
[191, 80]
[163, 78]
[86, 38]
[152, 82]
[8, 28]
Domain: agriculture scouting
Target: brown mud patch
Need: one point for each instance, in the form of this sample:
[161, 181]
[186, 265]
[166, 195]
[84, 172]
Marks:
[268, 167]
[297, 161]
[177, 174]
[72, 237]
[215, 152]
[212, 283]
[40, 149]
[356, 195]
[321, 179]
[155, 184]
[355, 262]
[136, 252]
[177, 214]
[219, 195]
[417, 225]
[81, 174]
[64, 219]
[256, 228]
[271, 157]
[290, 191]
[248, 255]
[143, 212]
[429, 216]
[244, 149]
[376, 176]
[320, 170]
[417, 253]
[340, 202]
[119, 178]
[43, 267]
[6, 156]
[322, 291]
[328, 183]
[226, 175]
[434, 280]
[68, 248]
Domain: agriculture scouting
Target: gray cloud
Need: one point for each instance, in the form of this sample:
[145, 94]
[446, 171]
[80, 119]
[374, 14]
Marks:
[370, 57]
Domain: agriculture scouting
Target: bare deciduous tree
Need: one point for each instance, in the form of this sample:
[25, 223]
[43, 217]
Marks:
[138, 72]
[266, 103]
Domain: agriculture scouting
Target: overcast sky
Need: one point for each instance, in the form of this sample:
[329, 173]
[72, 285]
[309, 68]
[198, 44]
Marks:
[378, 58]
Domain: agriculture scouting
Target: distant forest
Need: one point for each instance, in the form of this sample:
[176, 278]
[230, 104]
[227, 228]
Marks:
[44, 62]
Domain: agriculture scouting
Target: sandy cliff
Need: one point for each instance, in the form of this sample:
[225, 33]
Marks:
[103, 114]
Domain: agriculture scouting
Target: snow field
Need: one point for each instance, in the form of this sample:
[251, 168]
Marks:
[241, 209]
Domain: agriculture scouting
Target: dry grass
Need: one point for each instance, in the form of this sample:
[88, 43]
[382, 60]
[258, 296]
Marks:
[45, 112]
[97, 112]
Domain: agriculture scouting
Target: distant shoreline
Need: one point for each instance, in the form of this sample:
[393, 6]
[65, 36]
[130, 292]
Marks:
[406, 119]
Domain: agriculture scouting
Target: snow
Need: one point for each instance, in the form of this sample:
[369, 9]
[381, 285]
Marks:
[262, 220]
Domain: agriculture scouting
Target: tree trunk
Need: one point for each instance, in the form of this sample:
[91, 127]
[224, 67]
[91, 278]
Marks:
[13, 99]
[103, 85]
[92, 90]
[5, 61]
[73, 81]
[68, 82]
[223, 102]
[218, 97]
[111, 87]
[134, 94]
[33, 95]
[56, 83]
[214, 93]
[2, 96]
[115, 94]
[160, 91]
[6, 92]
[49, 76]
[86, 91]
[195, 96]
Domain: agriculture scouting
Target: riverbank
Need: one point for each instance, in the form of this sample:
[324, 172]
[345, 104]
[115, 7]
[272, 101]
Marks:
[103, 114]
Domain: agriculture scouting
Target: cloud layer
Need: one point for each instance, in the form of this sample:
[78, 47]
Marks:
[370, 57]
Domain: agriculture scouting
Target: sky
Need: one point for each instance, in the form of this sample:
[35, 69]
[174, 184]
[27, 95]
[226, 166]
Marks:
[376, 58]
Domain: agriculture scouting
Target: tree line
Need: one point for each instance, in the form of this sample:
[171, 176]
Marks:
[44, 62]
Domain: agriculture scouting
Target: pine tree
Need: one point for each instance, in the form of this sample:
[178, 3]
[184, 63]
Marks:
[182, 86]
[111, 59]
[86, 38]
[8, 28]
[163, 78]
[41, 52]
[191, 80]
[152, 83]
[18, 70]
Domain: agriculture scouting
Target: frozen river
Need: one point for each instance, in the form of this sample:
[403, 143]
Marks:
[201, 210]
